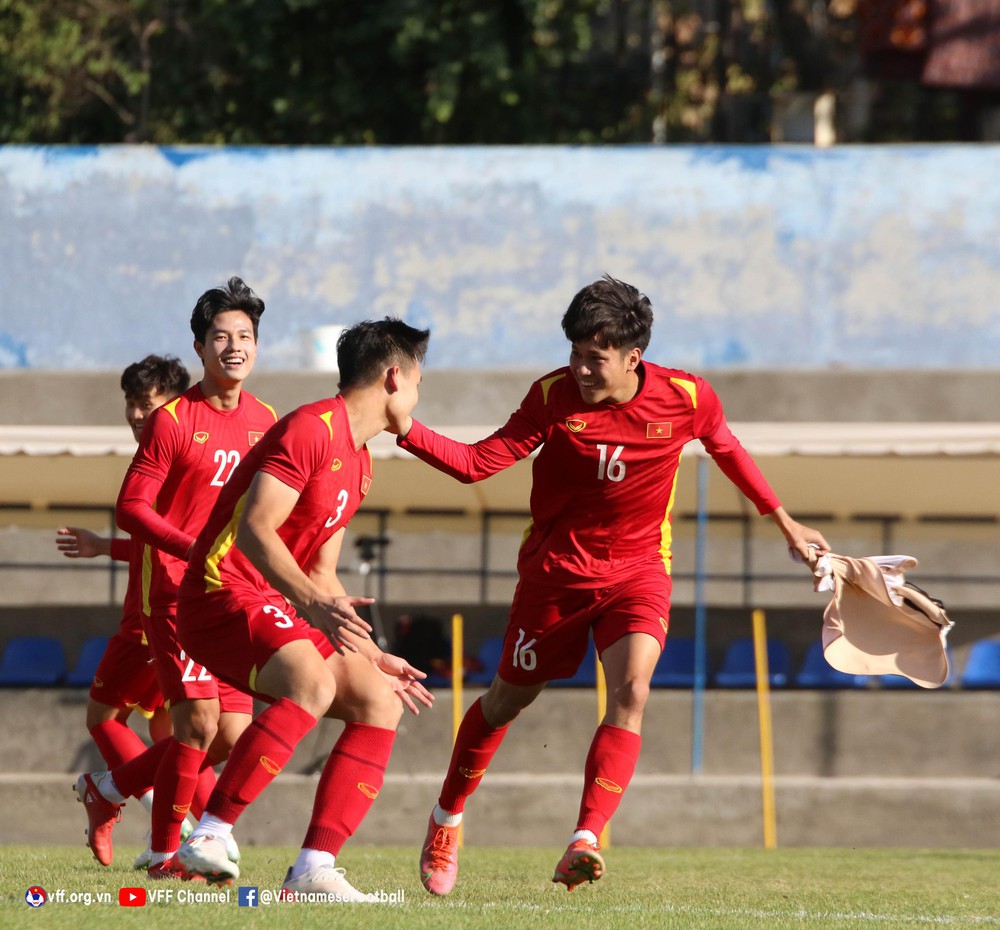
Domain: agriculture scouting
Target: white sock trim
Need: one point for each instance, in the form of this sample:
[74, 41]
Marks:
[310, 859]
[444, 818]
[211, 826]
[108, 789]
[584, 835]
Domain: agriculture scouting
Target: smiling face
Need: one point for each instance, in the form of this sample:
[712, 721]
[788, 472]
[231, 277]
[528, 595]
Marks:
[604, 374]
[230, 349]
[138, 409]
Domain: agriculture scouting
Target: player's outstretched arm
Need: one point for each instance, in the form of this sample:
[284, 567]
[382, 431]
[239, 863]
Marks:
[74, 542]
[804, 540]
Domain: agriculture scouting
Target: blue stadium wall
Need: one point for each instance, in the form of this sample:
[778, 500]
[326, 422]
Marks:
[754, 257]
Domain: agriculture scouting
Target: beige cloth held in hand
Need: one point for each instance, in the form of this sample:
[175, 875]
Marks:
[879, 624]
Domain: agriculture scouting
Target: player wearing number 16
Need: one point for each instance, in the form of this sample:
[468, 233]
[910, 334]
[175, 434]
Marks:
[595, 560]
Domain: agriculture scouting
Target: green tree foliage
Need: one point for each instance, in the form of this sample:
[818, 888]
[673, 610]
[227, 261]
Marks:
[300, 72]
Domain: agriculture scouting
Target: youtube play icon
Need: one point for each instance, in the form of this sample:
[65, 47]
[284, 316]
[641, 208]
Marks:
[132, 897]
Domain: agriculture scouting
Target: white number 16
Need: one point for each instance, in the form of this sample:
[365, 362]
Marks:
[613, 469]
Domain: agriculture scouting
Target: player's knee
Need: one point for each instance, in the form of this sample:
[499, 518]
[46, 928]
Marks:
[379, 707]
[98, 713]
[315, 694]
[197, 726]
[631, 696]
[502, 703]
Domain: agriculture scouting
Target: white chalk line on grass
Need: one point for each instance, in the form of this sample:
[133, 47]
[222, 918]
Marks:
[933, 920]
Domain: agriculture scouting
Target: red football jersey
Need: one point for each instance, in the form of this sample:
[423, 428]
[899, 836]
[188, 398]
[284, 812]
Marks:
[603, 483]
[188, 450]
[122, 550]
[131, 622]
[310, 450]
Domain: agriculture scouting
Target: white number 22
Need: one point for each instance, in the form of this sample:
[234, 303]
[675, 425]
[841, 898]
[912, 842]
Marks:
[232, 459]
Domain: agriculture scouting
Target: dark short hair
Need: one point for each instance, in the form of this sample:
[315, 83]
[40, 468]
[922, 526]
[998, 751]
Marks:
[366, 349]
[235, 295]
[155, 374]
[611, 312]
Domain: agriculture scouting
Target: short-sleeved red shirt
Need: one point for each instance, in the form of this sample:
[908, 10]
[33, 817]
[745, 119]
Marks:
[310, 450]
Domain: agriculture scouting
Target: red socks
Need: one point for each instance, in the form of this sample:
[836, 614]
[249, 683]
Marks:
[136, 777]
[609, 768]
[176, 780]
[475, 746]
[204, 789]
[117, 742]
[351, 780]
[259, 754]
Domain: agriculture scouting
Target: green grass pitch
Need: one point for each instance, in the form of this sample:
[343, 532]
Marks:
[503, 888]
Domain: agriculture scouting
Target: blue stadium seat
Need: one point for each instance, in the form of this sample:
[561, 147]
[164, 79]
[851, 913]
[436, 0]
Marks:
[489, 657]
[982, 667]
[739, 669]
[586, 674]
[676, 666]
[32, 661]
[816, 672]
[91, 653]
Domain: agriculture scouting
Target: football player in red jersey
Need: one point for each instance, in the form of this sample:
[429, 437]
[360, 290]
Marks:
[595, 559]
[188, 449]
[125, 679]
[262, 607]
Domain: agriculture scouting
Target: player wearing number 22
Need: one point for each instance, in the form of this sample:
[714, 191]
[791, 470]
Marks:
[595, 559]
[187, 452]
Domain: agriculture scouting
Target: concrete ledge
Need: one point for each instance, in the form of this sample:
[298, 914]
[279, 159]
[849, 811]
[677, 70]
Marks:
[540, 810]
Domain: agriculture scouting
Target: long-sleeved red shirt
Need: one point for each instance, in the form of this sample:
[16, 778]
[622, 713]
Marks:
[603, 481]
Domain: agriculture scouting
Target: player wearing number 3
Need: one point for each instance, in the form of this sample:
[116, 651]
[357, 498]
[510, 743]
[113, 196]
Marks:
[262, 607]
[595, 559]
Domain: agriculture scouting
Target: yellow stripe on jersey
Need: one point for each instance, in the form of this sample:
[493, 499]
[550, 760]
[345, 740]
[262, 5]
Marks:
[147, 578]
[690, 387]
[526, 533]
[274, 413]
[327, 418]
[220, 548]
[171, 407]
[666, 528]
[547, 386]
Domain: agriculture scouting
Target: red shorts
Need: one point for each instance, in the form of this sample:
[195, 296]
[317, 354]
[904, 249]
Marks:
[125, 676]
[549, 626]
[235, 634]
[181, 677]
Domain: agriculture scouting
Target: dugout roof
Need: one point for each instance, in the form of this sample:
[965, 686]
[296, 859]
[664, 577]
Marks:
[907, 469]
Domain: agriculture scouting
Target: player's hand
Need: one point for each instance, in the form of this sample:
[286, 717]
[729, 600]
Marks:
[76, 543]
[403, 678]
[399, 423]
[337, 617]
[808, 543]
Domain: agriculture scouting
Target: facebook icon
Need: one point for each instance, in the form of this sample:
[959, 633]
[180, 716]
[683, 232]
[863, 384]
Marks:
[248, 896]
